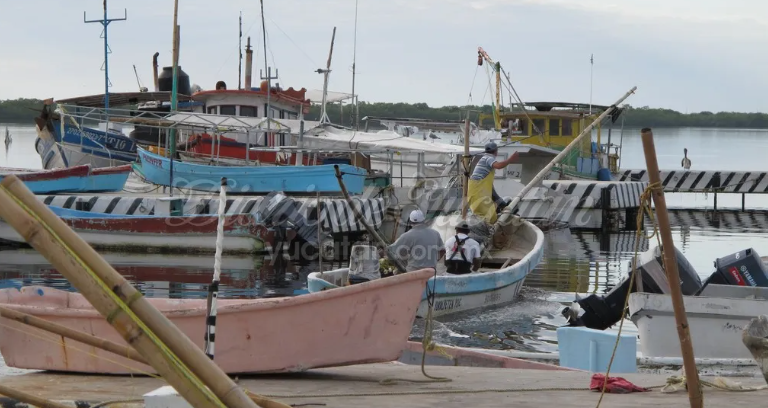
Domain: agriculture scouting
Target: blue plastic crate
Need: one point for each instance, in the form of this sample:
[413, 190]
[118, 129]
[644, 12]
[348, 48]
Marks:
[587, 349]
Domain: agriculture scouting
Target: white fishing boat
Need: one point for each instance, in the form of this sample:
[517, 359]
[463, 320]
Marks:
[522, 251]
[716, 320]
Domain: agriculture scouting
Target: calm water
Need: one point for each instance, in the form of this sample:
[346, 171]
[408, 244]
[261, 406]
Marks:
[575, 262]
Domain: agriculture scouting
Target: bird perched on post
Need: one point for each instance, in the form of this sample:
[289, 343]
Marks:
[686, 163]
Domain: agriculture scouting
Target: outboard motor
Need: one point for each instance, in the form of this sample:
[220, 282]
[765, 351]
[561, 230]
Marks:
[602, 312]
[743, 268]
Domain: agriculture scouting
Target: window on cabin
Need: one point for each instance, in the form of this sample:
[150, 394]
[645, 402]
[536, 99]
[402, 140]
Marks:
[554, 127]
[250, 111]
[228, 110]
[292, 115]
[274, 113]
[212, 110]
[523, 126]
[539, 126]
[567, 127]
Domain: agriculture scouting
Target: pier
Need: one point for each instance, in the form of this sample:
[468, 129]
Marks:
[706, 181]
[360, 386]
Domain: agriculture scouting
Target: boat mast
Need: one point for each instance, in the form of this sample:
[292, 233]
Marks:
[174, 87]
[356, 109]
[105, 23]
[269, 76]
[326, 72]
[240, 50]
[591, 69]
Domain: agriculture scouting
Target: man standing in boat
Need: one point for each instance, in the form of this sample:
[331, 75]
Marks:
[421, 246]
[462, 253]
[482, 197]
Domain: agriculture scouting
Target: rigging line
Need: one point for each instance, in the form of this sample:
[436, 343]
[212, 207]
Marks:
[511, 88]
[231, 54]
[471, 88]
[294, 43]
[272, 55]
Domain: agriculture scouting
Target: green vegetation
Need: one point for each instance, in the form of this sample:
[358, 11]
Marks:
[19, 110]
[25, 110]
[633, 117]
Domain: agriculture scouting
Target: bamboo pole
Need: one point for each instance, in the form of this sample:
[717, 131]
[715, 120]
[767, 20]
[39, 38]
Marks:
[361, 219]
[465, 162]
[64, 331]
[29, 398]
[670, 266]
[42, 240]
[205, 369]
[587, 131]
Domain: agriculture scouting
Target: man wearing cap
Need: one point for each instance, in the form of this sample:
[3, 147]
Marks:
[481, 194]
[421, 246]
[462, 253]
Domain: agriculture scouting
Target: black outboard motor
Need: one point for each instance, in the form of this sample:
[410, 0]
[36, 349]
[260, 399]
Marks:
[602, 312]
[743, 268]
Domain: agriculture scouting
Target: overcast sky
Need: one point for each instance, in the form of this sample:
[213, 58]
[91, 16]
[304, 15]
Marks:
[688, 55]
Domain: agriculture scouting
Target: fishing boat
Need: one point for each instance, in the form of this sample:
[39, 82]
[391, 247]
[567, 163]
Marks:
[158, 233]
[254, 179]
[364, 323]
[74, 179]
[459, 293]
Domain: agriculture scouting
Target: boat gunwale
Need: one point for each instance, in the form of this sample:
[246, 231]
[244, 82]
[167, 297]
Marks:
[225, 306]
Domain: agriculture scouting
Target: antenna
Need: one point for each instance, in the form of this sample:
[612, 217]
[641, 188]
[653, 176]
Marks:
[591, 68]
[138, 81]
[105, 22]
[269, 76]
[240, 49]
[355, 111]
[323, 114]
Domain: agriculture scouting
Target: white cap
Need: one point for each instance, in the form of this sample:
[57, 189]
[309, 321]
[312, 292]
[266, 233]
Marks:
[417, 216]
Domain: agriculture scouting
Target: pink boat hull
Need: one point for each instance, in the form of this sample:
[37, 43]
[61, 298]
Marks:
[364, 323]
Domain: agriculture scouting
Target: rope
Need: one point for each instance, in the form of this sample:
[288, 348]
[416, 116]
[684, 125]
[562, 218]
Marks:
[427, 344]
[676, 383]
[169, 355]
[645, 207]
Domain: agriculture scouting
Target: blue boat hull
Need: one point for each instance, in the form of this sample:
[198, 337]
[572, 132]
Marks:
[76, 146]
[63, 185]
[262, 179]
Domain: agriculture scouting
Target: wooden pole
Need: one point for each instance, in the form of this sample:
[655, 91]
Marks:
[670, 266]
[194, 357]
[29, 398]
[42, 240]
[361, 219]
[64, 331]
[465, 162]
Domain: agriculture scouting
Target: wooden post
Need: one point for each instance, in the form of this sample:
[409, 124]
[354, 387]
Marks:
[465, 161]
[670, 266]
[29, 398]
[186, 351]
[64, 331]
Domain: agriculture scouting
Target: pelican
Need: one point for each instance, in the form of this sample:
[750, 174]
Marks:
[686, 163]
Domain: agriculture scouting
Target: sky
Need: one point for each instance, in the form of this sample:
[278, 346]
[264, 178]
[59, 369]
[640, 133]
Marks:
[687, 55]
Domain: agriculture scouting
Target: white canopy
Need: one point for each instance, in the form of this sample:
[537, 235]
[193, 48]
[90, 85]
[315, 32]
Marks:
[316, 96]
[240, 123]
[435, 152]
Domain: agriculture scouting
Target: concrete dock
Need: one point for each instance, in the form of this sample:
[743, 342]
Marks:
[360, 385]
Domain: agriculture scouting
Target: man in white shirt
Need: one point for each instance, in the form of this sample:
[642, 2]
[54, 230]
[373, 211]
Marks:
[462, 253]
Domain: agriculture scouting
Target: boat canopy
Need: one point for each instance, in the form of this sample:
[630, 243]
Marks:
[385, 140]
[240, 123]
[121, 99]
[315, 96]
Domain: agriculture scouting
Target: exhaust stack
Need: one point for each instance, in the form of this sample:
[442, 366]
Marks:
[248, 64]
[154, 70]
